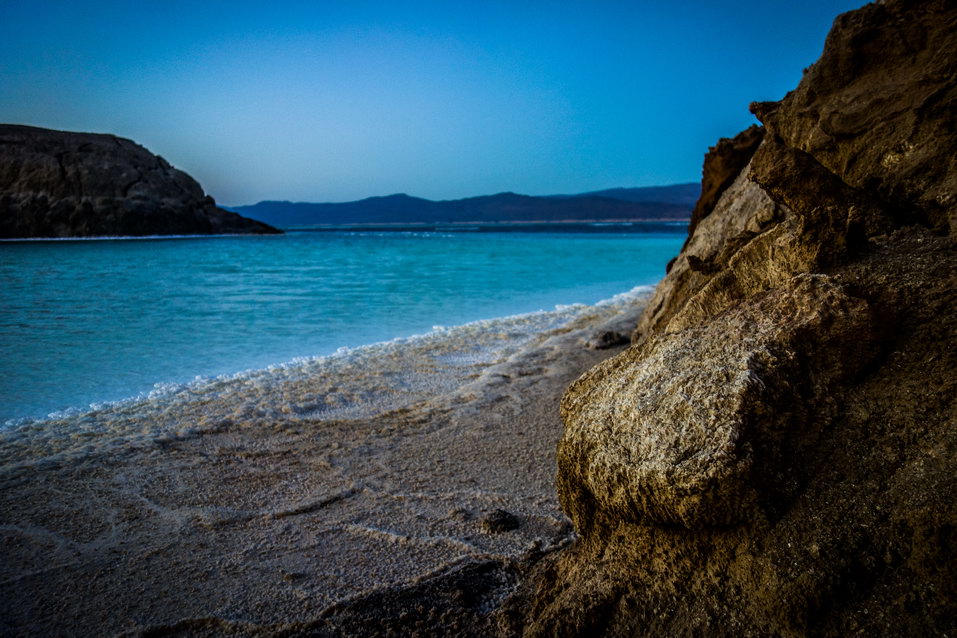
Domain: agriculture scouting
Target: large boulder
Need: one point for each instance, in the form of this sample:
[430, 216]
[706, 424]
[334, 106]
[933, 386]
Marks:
[697, 429]
[63, 184]
[776, 453]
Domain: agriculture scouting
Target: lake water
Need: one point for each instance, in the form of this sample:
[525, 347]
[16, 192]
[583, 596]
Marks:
[87, 322]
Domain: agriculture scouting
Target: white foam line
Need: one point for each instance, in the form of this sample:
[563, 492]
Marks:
[463, 340]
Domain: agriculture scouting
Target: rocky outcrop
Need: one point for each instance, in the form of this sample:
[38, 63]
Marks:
[776, 455]
[743, 212]
[62, 184]
[878, 110]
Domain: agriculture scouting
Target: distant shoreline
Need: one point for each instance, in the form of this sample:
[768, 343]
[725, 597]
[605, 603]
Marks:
[464, 225]
[629, 204]
[383, 226]
[518, 222]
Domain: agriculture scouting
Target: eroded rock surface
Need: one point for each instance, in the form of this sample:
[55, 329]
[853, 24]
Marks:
[62, 184]
[695, 430]
[877, 110]
[776, 455]
[722, 165]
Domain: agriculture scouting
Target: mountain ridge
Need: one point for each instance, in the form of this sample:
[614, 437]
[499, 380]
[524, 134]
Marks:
[499, 207]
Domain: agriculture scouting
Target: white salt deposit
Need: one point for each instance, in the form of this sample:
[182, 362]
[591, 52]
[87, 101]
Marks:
[353, 383]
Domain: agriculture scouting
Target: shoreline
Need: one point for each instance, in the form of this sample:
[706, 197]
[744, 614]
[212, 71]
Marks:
[13, 240]
[384, 226]
[266, 517]
[105, 321]
[475, 343]
[512, 222]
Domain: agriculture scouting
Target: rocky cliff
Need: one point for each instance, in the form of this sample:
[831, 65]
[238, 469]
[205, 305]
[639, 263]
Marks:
[62, 184]
[776, 455]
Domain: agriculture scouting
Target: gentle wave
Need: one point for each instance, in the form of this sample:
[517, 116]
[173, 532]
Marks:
[351, 383]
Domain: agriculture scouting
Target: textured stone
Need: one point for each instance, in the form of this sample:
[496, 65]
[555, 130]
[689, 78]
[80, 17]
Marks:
[776, 455]
[722, 165]
[877, 109]
[839, 516]
[699, 429]
[743, 212]
[62, 184]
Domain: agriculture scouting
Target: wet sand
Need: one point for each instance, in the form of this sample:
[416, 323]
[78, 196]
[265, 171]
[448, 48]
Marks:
[206, 514]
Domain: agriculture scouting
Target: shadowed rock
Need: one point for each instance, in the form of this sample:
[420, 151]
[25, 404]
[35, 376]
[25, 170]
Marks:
[776, 454]
[62, 184]
[607, 339]
[877, 110]
[722, 165]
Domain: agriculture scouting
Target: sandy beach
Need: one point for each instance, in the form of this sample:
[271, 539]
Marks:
[250, 507]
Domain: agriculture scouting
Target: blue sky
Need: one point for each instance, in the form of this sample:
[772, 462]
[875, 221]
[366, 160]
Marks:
[333, 101]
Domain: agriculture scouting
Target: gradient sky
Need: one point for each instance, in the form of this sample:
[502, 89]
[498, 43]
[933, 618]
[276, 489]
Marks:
[334, 101]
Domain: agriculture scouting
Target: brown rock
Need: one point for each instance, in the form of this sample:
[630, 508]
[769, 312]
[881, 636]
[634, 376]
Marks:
[825, 508]
[62, 184]
[877, 109]
[744, 212]
[698, 429]
[722, 165]
[777, 453]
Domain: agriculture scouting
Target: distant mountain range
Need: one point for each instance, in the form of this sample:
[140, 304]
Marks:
[673, 203]
[686, 194]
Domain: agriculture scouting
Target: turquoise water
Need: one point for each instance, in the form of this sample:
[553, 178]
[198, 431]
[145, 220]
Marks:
[86, 322]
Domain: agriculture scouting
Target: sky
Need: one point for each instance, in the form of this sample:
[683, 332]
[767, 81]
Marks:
[337, 101]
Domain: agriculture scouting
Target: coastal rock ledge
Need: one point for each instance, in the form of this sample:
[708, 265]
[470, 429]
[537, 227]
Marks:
[776, 453]
[63, 184]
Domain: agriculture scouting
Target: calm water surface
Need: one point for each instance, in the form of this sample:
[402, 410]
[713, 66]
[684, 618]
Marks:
[84, 322]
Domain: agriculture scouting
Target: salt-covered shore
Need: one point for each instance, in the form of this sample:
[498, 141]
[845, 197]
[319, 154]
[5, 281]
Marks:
[259, 501]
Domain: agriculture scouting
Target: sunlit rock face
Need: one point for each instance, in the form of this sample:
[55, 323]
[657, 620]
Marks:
[699, 430]
[776, 453]
[62, 184]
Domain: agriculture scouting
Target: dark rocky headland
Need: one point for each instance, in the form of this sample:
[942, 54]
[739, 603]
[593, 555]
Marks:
[63, 184]
[776, 455]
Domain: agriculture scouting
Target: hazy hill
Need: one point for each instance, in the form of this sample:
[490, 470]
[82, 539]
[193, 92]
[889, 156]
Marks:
[655, 203]
[673, 194]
